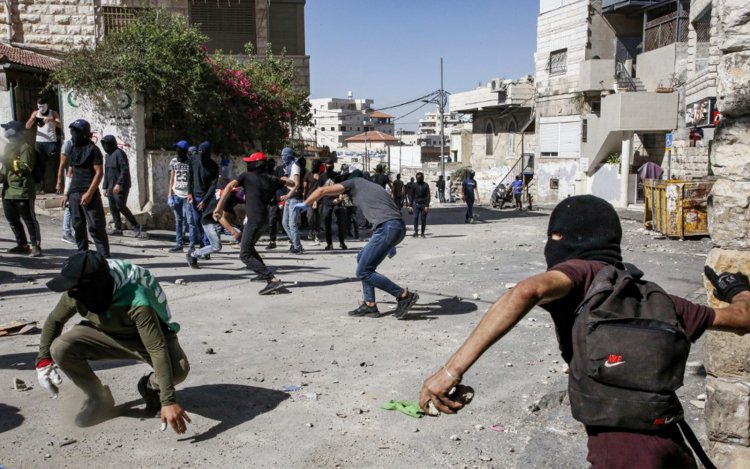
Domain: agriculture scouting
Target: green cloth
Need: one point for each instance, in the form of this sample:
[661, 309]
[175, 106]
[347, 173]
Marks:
[410, 408]
[139, 311]
[17, 167]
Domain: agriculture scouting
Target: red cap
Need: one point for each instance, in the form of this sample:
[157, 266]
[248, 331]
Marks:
[257, 156]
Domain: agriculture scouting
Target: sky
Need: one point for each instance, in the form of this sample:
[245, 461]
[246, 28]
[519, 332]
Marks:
[389, 50]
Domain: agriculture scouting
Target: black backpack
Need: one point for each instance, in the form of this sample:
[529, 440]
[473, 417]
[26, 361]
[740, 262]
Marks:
[629, 356]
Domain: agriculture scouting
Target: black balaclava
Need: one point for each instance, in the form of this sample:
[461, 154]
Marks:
[420, 178]
[256, 166]
[330, 171]
[316, 164]
[109, 143]
[95, 290]
[590, 230]
[182, 154]
[78, 137]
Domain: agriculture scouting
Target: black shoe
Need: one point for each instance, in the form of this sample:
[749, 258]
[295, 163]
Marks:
[192, 261]
[404, 305]
[422, 235]
[294, 250]
[96, 408]
[329, 247]
[176, 249]
[365, 310]
[20, 249]
[270, 287]
[207, 257]
[259, 278]
[36, 251]
[343, 246]
[415, 235]
[271, 245]
[150, 396]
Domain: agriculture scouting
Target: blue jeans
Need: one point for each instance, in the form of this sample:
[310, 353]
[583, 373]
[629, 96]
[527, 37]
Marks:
[197, 215]
[289, 222]
[67, 227]
[384, 237]
[183, 214]
[212, 232]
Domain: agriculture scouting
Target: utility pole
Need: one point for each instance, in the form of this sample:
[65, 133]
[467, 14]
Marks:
[366, 164]
[442, 122]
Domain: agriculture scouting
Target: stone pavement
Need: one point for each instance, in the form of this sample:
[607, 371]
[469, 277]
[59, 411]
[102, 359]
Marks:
[346, 367]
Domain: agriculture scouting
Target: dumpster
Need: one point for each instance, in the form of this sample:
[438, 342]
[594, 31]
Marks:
[676, 208]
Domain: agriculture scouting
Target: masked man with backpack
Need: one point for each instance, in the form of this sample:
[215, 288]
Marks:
[19, 190]
[125, 316]
[628, 406]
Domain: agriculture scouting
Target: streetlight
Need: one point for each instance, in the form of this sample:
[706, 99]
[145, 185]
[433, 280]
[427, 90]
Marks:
[366, 162]
[440, 101]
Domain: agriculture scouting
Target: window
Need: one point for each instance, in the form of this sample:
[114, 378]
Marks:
[333, 129]
[554, 184]
[286, 27]
[560, 137]
[584, 130]
[489, 134]
[343, 128]
[558, 62]
[228, 25]
[596, 107]
[118, 18]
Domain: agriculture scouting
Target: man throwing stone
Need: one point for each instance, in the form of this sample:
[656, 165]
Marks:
[125, 317]
[389, 230]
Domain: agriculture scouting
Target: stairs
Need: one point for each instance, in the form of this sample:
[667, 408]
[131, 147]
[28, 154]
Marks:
[630, 85]
[48, 204]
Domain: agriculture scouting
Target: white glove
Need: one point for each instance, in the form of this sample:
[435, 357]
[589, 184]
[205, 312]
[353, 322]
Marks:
[49, 378]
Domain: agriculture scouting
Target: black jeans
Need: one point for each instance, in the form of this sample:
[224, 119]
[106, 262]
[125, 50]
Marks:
[419, 212]
[22, 209]
[248, 254]
[274, 220]
[469, 208]
[351, 220]
[91, 217]
[50, 156]
[118, 204]
[341, 220]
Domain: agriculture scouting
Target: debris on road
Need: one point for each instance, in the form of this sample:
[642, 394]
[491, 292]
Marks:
[20, 385]
[18, 327]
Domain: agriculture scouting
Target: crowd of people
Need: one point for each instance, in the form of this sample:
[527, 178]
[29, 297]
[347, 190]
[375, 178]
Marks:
[127, 316]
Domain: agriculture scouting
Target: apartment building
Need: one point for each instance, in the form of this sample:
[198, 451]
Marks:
[502, 122]
[337, 119]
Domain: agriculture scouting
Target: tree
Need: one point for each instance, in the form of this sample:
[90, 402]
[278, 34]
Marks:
[161, 57]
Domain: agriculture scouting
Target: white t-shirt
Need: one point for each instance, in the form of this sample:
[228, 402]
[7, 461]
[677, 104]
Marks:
[181, 174]
[46, 133]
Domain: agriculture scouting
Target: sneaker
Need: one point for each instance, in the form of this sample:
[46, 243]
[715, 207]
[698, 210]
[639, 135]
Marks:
[365, 310]
[404, 305]
[271, 245]
[422, 235]
[192, 261]
[176, 249]
[207, 257]
[271, 287]
[114, 232]
[150, 396]
[96, 408]
[68, 239]
[20, 249]
[343, 246]
[137, 231]
[36, 251]
[298, 250]
[329, 247]
[259, 278]
[415, 235]
[316, 242]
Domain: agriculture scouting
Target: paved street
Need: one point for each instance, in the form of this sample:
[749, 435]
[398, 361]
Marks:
[347, 368]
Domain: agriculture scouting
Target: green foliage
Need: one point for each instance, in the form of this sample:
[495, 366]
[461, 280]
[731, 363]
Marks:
[613, 158]
[461, 173]
[239, 106]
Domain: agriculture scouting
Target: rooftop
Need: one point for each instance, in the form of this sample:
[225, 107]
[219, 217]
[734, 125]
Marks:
[17, 56]
[381, 115]
[372, 136]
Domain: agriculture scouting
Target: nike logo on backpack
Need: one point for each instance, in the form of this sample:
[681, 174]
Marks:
[610, 365]
[613, 360]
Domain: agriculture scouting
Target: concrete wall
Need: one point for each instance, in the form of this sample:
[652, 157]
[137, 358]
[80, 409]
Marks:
[123, 117]
[606, 183]
[566, 171]
[6, 110]
[597, 75]
[657, 67]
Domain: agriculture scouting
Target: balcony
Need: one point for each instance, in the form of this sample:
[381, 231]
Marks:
[624, 6]
[596, 75]
[627, 112]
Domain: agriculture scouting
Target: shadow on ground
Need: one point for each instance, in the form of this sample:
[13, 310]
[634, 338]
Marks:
[10, 417]
[229, 404]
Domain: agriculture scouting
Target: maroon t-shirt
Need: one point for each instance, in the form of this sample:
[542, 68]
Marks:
[612, 448]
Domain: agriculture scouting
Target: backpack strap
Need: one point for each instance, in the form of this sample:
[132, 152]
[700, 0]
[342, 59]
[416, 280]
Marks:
[695, 444]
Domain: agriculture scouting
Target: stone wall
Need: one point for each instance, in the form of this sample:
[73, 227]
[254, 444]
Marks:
[726, 354]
